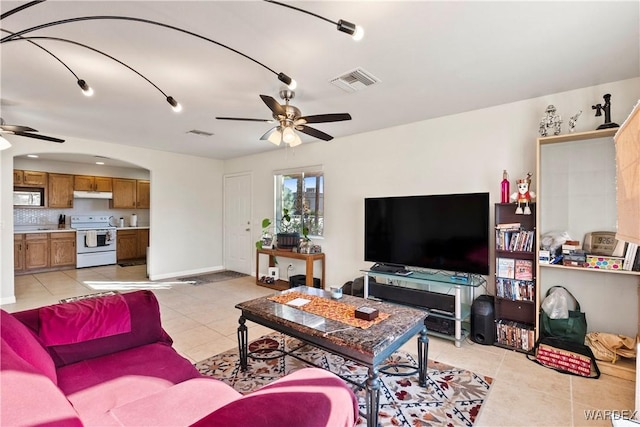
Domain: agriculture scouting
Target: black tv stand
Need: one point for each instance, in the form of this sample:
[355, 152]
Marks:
[389, 268]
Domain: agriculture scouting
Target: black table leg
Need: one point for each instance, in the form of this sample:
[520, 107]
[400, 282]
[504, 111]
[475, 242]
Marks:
[373, 397]
[243, 337]
[423, 357]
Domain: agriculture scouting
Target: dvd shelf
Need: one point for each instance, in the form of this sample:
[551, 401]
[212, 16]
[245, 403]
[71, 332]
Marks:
[516, 290]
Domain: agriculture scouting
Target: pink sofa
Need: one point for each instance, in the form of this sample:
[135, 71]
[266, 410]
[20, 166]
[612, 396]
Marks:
[108, 362]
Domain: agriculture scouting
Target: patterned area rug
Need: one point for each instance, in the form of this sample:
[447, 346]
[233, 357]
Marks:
[453, 397]
[213, 277]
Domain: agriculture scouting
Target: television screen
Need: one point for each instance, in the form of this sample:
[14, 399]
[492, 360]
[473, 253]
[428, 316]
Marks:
[440, 232]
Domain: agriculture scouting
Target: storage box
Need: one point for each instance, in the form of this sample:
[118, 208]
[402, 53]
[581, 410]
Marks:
[604, 262]
[366, 313]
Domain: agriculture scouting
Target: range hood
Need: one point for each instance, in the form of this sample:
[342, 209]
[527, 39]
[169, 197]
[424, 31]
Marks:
[92, 195]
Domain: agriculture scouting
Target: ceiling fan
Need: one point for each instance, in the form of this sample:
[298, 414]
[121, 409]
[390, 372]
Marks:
[26, 131]
[290, 118]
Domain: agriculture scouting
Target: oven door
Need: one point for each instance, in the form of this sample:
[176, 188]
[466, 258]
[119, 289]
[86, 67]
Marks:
[90, 241]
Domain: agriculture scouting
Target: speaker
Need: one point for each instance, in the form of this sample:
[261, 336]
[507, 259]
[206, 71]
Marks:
[483, 328]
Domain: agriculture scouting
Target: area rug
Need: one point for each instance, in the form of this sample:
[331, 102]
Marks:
[132, 263]
[213, 277]
[452, 397]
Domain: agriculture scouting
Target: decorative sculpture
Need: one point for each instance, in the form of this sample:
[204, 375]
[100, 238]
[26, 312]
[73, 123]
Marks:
[551, 120]
[573, 120]
[607, 113]
[523, 196]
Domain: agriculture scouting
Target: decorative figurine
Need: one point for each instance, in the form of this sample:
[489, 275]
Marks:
[607, 113]
[523, 196]
[550, 121]
[573, 120]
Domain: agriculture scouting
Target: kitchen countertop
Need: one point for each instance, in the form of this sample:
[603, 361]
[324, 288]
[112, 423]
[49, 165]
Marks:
[29, 229]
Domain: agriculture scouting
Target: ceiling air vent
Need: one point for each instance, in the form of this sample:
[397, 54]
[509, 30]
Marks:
[200, 132]
[355, 80]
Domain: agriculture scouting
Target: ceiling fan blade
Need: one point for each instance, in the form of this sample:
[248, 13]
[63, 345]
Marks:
[244, 119]
[273, 105]
[36, 136]
[326, 118]
[315, 133]
[267, 133]
[16, 128]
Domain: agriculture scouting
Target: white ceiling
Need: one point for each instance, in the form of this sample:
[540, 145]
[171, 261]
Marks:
[432, 58]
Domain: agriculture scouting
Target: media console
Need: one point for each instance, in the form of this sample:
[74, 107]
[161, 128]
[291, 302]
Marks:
[441, 293]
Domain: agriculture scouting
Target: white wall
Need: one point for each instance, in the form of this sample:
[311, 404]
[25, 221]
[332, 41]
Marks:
[454, 154]
[185, 215]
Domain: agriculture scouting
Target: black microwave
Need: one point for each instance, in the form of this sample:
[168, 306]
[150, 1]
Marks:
[28, 197]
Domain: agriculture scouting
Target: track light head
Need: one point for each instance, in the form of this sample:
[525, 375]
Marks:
[355, 31]
[174, 104]
[291, 84]
[86, 89]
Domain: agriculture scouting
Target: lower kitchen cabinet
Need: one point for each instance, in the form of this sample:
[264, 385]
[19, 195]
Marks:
[62, 249]
[143, 242]
[127, 244]
[18, 252]
[36, 250]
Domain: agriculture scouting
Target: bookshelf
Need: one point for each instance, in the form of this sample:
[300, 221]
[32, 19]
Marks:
[516, 299]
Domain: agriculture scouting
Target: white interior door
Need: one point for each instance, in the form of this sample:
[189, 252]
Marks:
[238, 246]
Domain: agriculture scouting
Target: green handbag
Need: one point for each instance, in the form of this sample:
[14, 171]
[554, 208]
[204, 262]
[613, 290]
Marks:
[573, 328]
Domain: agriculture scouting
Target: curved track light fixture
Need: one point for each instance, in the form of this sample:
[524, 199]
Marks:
[281, 76]
[86, 89]
[83, 85]
[355, 31]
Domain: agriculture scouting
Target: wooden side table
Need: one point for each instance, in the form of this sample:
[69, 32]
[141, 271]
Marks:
[283, 284]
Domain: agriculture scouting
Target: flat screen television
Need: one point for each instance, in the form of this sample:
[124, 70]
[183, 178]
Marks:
[440, 232]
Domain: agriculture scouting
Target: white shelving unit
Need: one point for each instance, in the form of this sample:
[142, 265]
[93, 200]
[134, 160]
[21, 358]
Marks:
[576, 192]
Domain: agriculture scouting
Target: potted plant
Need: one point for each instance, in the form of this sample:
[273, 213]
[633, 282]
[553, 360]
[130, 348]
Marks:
[266, 240]
[288, 236]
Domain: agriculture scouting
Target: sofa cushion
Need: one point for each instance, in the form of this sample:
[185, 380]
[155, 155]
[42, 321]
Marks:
[180, 405]
[94, 386]
[28, 397]
[308, 397]
[145, 329]
[26, 345]
[84, 320]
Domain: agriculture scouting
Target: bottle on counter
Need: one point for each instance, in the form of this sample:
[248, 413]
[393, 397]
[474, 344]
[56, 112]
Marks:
[121, 222]
[504, 187]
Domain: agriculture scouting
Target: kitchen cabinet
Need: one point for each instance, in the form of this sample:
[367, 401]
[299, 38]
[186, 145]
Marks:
[127, 244]
[92, 183]
[36, 250]
[143, 242]
[62, 249]
[60, 190]
[143, 194]
[124, 193]
[18, 252]
[24, 178]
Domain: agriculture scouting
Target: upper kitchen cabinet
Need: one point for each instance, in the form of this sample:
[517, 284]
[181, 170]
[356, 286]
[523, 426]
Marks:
[143, 196]
[92, 183]
[29, 178]
[124, 193]
[130, 194]
[60, 190]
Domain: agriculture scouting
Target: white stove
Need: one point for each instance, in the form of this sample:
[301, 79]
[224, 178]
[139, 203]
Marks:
[95, 240]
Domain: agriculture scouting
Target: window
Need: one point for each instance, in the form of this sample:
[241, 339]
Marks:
[301, 192]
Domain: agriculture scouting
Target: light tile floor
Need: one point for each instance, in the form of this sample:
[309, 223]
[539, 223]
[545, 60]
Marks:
[202, 321]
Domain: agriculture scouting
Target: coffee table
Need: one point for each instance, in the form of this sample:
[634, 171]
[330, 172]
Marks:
[369, 347]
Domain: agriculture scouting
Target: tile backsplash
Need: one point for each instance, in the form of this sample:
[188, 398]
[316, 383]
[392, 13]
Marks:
[49, 217]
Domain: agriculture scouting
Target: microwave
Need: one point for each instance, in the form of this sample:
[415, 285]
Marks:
[28, 197]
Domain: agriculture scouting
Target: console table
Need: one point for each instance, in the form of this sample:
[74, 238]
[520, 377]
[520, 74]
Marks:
[283, 284]
[428, 282]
